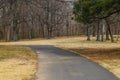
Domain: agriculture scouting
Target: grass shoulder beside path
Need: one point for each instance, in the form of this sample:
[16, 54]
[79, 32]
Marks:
[17, 63]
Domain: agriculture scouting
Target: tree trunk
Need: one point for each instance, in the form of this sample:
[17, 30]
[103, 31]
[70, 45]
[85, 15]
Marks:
[43, 32]
[103, 30]
[88, 33]
[107, 33]
[98, 32]
[15, 36]
[109, 29]
[8, 34]
[94, 31]
[49, 34]
[30, 33]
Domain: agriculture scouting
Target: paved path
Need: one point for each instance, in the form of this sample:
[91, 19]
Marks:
[58, 64]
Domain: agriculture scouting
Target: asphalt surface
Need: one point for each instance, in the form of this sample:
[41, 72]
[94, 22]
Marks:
[58, 64]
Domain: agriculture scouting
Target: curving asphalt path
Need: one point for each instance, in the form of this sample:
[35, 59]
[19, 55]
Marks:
[58, 64]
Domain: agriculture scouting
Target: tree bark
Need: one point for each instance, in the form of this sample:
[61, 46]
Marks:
[107, 33]
[88, 33]
[109, 29]
[8, 34]
[98, 32]
[94, 31]
[103, 30]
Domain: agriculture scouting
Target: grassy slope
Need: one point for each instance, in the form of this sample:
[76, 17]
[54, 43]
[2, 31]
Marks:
[17, 63]
[105, 53]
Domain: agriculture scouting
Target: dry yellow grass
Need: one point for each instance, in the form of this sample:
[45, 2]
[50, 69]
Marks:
[16, 69]
[67, 42]
[17, 63]
[80, 44]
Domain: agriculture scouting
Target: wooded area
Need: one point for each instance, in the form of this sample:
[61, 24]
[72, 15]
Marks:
[102, 15]
[27, 19]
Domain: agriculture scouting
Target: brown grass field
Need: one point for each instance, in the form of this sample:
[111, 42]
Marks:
[17, 63]
[107, 54]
